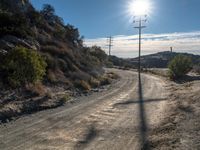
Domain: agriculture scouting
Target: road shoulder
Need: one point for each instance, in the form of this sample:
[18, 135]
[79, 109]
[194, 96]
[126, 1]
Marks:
[180, 128]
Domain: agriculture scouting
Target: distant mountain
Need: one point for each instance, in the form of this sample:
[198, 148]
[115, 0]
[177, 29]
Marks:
[161, 59]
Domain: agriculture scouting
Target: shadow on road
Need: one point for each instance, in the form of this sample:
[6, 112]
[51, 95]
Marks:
[129, 102]
[143, 120]
[143, 125]
[89, 135]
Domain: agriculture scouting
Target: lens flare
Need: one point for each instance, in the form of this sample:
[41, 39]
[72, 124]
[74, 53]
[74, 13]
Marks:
[139, 7]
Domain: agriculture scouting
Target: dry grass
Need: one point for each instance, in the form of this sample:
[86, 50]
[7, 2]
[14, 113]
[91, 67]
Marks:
[32, 103]
[57, 76]
[37, 89]
[94, 82]
[49, 95]
[108, 77]
[79, 75]
[9, 111]
[105, 80]
[65, 98]
[157, 71]
[52, 49]
[83, 85]
[112, 75]
[51, 76]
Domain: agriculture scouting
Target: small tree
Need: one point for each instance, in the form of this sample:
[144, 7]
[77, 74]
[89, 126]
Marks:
[48, 13]
[179, 66]
[98, 53]
[24, 66]
[72, 34]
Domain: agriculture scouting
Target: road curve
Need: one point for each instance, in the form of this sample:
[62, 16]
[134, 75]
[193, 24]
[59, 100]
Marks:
[118, 118]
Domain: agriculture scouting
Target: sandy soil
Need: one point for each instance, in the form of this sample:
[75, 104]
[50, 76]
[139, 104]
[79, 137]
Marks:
[180, 128]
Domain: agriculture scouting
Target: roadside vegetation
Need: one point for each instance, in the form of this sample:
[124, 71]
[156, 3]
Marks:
[40, 41]
[22, 66]
[179, 66]
[40, 57]
[178, 69]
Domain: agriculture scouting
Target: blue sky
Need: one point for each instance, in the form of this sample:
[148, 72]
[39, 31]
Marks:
[97, 19]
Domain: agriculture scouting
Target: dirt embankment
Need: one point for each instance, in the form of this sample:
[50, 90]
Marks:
[180, 128]
[14, 103]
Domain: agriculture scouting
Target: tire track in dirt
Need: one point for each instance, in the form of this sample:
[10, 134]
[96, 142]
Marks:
[44, 127]
[87, 123]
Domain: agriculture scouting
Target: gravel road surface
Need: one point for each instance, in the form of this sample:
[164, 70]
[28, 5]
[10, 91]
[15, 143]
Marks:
[117, 118]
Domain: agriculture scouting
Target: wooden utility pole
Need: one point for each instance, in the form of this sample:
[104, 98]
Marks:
[171, 49]
[140, 20]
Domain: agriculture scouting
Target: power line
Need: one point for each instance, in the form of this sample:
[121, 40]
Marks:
[110, 44]
[139, 21]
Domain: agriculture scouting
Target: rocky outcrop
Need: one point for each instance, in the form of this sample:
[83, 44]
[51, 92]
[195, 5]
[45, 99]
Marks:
[8, 42]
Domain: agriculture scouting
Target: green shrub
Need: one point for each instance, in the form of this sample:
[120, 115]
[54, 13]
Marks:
[65, 98]
[179, 66]
[98, 53]
[72, 35]
[24, 66]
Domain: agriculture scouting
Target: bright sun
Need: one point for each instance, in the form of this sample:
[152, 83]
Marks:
[139, 7]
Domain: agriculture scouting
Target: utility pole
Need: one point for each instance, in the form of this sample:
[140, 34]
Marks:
[140, 20]
[110, 44]
[171, 49]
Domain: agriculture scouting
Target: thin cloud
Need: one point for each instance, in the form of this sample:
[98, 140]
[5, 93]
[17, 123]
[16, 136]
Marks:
[127, 46]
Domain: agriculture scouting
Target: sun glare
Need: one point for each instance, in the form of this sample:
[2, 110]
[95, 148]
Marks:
[139, 7]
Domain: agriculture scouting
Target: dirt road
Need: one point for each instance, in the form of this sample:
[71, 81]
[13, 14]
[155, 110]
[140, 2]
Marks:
[116, 118]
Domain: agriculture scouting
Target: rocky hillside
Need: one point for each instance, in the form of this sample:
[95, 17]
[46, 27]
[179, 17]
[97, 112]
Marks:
[42, 60]
[60, 45]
